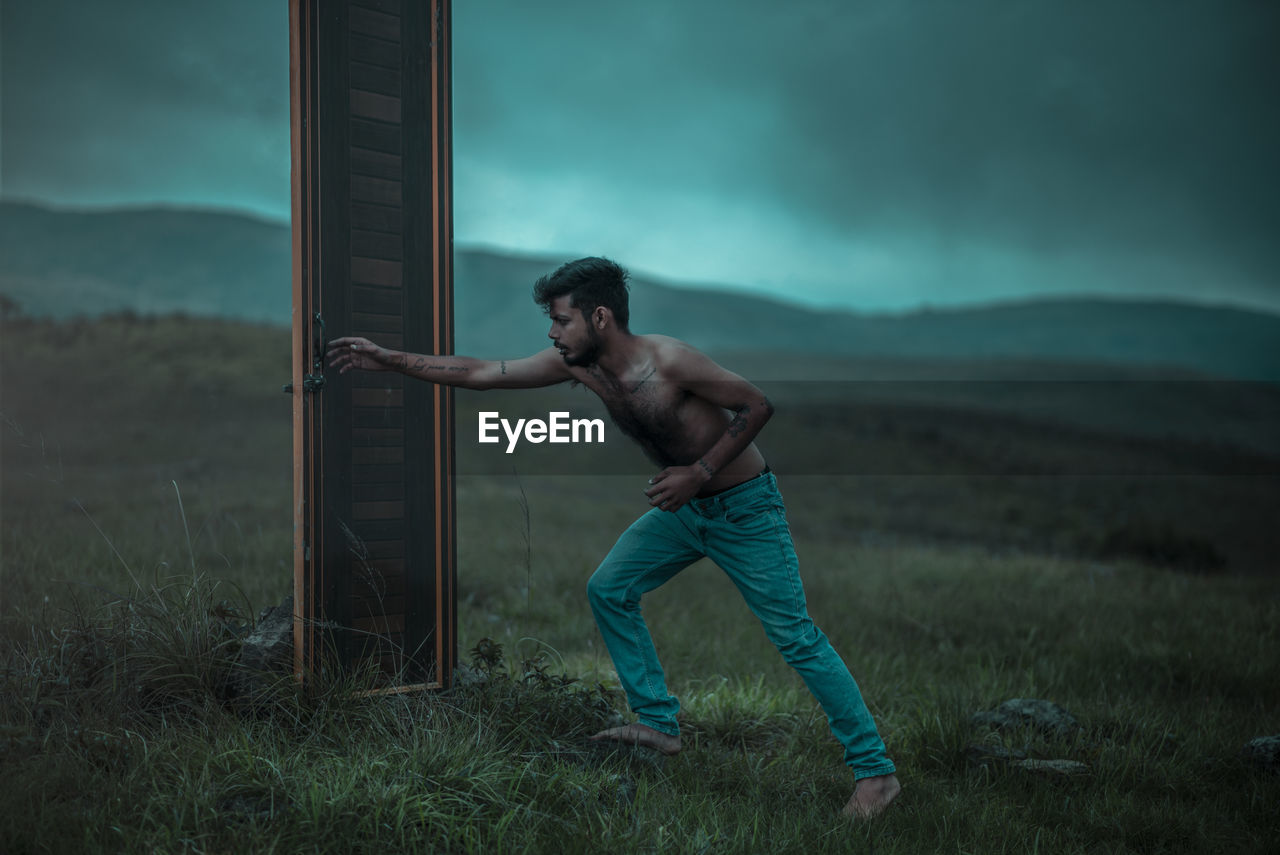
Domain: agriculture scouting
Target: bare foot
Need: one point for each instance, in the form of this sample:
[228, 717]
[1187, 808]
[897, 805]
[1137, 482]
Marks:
[641, 734]
[871, 796]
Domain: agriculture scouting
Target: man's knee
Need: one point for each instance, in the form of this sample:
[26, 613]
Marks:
[602, 588]
[800, 642]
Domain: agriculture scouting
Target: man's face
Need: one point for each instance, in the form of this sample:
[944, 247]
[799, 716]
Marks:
[576, 339]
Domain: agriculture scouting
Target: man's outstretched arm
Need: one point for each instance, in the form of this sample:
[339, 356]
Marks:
[544, 368]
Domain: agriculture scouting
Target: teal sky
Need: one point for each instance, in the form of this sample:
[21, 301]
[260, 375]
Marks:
[871, 155]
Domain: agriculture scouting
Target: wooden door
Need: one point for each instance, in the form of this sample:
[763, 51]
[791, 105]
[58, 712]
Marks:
[374, 561]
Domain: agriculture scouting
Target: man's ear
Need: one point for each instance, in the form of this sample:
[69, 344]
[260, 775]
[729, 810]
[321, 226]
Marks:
[600, 317]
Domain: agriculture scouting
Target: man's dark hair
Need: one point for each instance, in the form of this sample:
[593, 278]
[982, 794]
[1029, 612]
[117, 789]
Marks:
[589, 282]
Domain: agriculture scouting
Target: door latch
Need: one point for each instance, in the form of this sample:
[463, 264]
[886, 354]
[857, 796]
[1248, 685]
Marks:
[314, 381]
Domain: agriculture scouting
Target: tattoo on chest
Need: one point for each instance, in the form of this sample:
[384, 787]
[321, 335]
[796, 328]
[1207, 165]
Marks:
[642, 380]
[650, 412]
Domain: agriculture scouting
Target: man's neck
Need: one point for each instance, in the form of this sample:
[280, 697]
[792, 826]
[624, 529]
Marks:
[622, 351]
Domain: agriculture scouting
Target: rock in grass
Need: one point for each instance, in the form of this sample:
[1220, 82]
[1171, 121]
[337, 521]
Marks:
[1045, 716]
[1265, 752]
[997, 755]
[986, 755]
[270, 646]
[266, 653]
[1053, 768]
[251, 808]
[464, 675]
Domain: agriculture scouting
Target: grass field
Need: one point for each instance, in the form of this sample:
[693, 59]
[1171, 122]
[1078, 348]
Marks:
[971, 555]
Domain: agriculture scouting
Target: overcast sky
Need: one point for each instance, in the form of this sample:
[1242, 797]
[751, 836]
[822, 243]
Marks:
[872, 154]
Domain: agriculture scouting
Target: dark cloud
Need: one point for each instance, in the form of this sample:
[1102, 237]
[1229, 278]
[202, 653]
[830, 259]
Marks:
[869, 152]
[146, 100]
[1141, 124]
[1056, 127]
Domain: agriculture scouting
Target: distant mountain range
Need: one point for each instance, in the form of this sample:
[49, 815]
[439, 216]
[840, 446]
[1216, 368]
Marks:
[61, 264]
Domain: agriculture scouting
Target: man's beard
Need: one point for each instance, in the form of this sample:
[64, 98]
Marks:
[590, 355]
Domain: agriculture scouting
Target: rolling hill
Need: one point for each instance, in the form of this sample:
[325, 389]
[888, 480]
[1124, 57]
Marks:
[56, 263]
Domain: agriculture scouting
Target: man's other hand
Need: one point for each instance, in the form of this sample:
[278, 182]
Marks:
[674, 486]
[352, 352]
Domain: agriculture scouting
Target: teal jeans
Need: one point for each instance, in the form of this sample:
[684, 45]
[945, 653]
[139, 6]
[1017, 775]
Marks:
[743, 530]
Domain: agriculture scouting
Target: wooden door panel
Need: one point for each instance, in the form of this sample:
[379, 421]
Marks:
[374, 466]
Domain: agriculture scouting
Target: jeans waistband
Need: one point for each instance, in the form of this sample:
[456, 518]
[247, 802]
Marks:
[763, 481]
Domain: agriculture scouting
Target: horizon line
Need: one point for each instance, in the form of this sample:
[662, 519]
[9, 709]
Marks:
[779, 295]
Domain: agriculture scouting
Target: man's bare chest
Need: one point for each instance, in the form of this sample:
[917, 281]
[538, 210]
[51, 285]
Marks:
[647, 408]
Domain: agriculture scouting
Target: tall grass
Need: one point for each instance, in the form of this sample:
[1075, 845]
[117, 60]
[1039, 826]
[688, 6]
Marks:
[124, 725]
[121, 734]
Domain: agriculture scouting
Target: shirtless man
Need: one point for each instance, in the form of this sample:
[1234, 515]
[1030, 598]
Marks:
[714, 497]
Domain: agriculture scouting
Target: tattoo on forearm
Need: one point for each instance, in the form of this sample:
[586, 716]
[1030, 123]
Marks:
[421, 366]
[739, 423]
[504, 366]
[706, 467]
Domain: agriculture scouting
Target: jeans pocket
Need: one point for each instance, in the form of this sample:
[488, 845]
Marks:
[756, 513]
